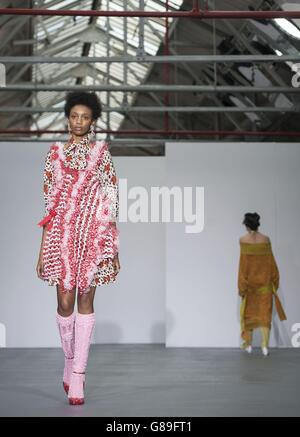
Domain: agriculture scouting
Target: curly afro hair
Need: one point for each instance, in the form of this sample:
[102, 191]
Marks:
[90, 100]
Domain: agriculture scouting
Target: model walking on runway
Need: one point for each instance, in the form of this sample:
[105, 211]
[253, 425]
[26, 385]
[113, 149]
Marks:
[80, 241]
[258, 282]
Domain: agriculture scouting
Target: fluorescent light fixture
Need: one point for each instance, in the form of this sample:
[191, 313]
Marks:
[288, 27]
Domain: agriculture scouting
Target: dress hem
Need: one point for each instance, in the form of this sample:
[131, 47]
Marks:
[57, 281]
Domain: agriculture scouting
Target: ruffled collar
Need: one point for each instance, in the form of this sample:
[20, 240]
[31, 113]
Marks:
[76, 153]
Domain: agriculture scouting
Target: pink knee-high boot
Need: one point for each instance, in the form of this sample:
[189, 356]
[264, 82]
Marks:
[84, 326]
[66, 331]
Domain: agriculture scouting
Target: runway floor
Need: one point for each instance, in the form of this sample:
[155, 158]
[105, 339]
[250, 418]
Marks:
[151, 380]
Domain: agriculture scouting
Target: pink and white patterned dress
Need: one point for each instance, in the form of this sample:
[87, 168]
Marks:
[81, 204]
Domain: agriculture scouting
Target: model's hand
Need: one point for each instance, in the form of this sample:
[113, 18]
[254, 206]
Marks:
[40, 268]
[116, 263]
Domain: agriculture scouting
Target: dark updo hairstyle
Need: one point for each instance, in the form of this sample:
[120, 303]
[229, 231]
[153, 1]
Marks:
[90, 100]
[251, 220]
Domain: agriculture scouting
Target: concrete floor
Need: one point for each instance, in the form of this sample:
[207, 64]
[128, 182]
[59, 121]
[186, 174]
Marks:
[154, 381]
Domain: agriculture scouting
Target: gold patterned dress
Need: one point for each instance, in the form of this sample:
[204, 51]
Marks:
[258, 281]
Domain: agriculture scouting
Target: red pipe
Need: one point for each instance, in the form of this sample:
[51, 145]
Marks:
[205, 15]
[162, 132]
[196, 7]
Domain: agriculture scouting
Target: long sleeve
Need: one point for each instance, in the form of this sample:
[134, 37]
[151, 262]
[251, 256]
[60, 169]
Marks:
[242, 278]
[109, 184]
[110, 194]
[274, 272]
[48, 180]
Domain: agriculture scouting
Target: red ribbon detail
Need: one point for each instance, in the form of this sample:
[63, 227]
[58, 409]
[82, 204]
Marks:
[48, 218]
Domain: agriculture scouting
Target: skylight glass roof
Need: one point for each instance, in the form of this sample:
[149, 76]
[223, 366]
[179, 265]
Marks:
[69, 36]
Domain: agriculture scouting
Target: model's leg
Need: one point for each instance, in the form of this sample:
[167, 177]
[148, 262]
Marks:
[265, 337]
[84, 326]
[65, 319]
[85, 302]
[247, 336]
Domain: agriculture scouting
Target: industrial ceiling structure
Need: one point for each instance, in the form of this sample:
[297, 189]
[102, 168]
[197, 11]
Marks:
[224, 70]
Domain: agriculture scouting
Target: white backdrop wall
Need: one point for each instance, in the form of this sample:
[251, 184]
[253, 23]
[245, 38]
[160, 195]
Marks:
[130, 311]
[201, 269]
[173, 287]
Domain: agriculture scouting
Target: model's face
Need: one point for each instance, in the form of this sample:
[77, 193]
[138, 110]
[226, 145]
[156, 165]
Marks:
[80, 120]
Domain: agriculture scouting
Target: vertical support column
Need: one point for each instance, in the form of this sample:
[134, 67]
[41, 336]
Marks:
[141, 48]
[217, 118]
[196, 7]
[167, 70]
[125, 51]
